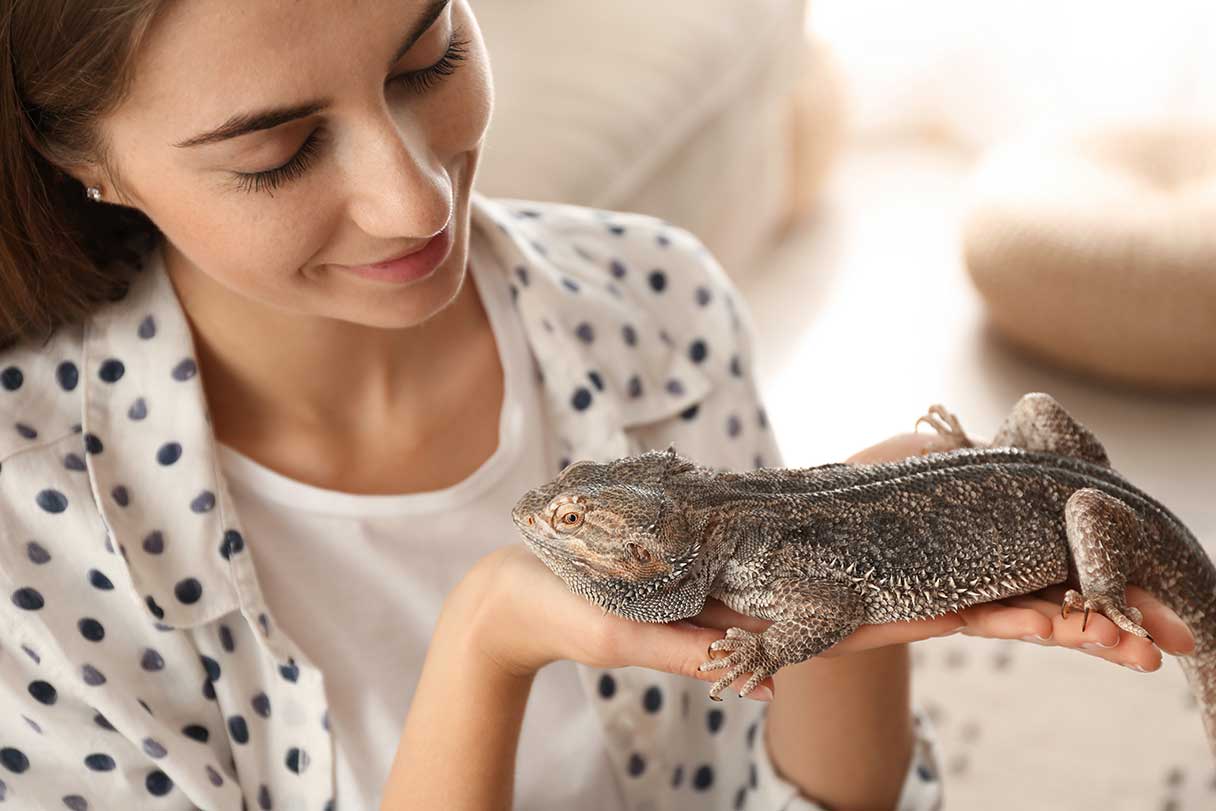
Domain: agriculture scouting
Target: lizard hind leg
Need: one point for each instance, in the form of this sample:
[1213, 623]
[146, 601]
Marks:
[1102, 534]
[950, 434]
[1039, 423]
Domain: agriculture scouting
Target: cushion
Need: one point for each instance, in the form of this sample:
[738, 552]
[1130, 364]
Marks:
[1095, 249]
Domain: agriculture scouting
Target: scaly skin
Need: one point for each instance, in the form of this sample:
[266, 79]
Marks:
[822, 550]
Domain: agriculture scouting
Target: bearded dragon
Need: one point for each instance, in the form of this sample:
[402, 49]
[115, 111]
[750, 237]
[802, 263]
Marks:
[822, 550]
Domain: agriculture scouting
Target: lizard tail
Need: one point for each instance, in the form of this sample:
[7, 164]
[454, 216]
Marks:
[1185, 580]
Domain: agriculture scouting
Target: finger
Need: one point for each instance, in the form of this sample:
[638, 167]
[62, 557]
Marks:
[1101, 637]
[678, 647]
[1167, 628]
[1000, 621]
[867, 637]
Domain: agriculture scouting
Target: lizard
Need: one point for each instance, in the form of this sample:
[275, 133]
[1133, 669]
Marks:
[821, 550]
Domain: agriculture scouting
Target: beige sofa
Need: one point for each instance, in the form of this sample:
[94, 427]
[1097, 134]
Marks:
[689, 110]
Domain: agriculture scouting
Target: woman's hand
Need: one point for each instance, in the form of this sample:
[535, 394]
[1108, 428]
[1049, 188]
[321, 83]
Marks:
[524, 617]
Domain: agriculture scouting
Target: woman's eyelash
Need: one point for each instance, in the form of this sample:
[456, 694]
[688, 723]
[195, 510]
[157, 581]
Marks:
[419, 80]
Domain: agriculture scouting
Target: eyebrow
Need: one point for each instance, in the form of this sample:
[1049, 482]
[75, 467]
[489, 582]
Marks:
[245, 123]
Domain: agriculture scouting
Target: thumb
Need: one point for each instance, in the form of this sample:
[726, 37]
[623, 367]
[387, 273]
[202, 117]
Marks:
[681, 647]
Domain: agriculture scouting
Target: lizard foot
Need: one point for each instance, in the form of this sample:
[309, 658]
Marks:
[950, 431]
[747, 654]
[1125, 616]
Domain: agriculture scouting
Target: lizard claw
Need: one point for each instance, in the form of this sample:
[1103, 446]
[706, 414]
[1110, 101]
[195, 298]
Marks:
[1125, 616]
[950, 431]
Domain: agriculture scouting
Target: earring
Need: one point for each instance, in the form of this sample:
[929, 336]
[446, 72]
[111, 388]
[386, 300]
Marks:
[94, 194]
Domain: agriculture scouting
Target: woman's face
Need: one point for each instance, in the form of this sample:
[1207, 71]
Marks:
[373, 174]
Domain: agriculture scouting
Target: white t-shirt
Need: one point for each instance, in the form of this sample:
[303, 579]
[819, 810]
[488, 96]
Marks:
[358, 581]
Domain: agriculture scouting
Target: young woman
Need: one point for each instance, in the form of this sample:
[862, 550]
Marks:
[255, 484]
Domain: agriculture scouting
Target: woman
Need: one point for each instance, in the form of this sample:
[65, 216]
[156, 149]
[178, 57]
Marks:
[255, 491]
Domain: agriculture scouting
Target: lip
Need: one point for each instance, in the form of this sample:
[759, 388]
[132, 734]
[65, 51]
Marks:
[411, 266]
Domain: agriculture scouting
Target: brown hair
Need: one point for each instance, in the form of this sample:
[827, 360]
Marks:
[67, 64]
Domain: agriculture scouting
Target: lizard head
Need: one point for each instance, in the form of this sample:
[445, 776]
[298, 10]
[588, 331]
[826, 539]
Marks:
[617, 534]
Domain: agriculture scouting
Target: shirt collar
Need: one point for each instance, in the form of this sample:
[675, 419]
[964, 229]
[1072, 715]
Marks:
[163, 497]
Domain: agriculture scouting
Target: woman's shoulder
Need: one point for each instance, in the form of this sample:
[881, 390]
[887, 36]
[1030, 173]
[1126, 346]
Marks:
[41, 384]
[644, 262]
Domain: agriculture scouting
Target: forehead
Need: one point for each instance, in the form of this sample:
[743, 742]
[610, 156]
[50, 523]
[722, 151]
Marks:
[204, 59]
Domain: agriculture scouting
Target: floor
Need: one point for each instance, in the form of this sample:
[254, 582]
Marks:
[865, 316]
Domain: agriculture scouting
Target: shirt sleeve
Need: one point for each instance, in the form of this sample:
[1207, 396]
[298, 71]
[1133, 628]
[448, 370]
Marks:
[730, 429]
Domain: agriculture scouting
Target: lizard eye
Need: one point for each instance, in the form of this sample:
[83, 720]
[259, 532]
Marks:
[640, 553]
[569, 516]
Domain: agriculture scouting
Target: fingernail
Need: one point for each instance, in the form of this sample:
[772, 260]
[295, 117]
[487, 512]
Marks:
[1092, 645]
[1137, 666]
[1035, 638]
[760, 693]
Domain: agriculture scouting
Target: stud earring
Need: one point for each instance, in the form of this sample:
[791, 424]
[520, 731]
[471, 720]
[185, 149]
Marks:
[94, 194]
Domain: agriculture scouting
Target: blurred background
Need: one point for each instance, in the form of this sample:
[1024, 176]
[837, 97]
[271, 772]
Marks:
[952, 202]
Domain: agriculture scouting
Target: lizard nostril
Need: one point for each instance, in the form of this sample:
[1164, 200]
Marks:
[530, 522]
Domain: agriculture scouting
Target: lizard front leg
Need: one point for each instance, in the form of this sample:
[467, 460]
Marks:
[810, 617]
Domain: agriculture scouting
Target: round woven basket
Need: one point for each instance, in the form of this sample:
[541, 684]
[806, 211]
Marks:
[1097, 250]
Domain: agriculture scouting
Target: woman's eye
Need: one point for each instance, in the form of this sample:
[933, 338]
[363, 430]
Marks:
[297, 165]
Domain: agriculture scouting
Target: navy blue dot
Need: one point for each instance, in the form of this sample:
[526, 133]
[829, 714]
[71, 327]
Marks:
[297, 760]
[52, 500]
[226, 638]
[14, 760]
[92, 676]
[261, 704]
[581, 399]
[152, 661]
[924, 773]
[120, 495]
[188, 590]
[521, 273]
[733, 425]
[637, 765]
[570, 284]
[264, 802]
[156, 610]
[290, 671]
[677, 776]
[652, 699]
[736, 368]
[44, 692]
[209, 689]
[211, 666]
[26, 431]
[714, 719]
[658, 280]
[751, 774]
[37, 552]
[72, 461]
[28, 599]
[91, 629]
[214, 776]
[203, 502]
[634, 387]
[761, 418]
[703, 777]
[740, 797]
[169, 453]
[617, 268]
[596, 380]
[607, 686]
[74, 802]
[703, 296]
[147, 327]
[101, 721]
[585, 332]
[11, 378]
[99, 580]
[674, 387]
[196, 732]
[158, 783]
[111, 370]
[154, 748]
[663, 240]
[154, 543]
[238, 728]
[185, 369]
[138, 409]
[616, 230]
[144, 704]
[99, 762]
[751, 734]
[233, 542]
[67, 375]
[92, 444]
[630, 335]
[697, 350]
[690, 412]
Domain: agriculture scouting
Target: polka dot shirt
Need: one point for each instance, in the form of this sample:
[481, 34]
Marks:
[140, 666]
